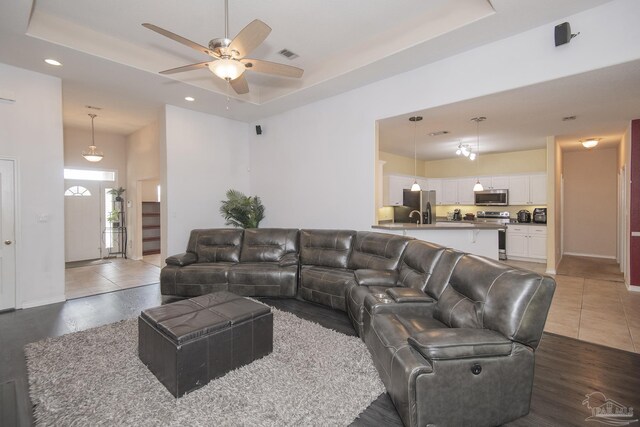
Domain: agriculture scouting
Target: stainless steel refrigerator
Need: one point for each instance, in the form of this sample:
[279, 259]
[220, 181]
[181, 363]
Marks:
[423, 202]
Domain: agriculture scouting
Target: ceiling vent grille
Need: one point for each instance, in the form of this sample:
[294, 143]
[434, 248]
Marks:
[91, 107]
[288, 54]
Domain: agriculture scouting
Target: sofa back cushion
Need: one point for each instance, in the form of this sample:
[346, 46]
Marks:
[326, 248]
[418, 263]
[483, 293]
[216, 244]
[377, 251]
[442, 272]
[268, 244]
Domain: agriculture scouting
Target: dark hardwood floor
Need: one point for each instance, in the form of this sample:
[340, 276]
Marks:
[566, 369]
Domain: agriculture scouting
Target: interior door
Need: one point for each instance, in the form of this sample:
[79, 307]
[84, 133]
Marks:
[82, 220]
[7, 236]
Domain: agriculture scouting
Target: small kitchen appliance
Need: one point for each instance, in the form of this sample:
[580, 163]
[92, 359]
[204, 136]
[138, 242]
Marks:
[524, 216]
[540, 215]
[457, 216]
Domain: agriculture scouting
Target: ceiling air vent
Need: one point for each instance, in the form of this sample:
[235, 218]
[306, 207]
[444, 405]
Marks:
[288, 54]
[91, 107]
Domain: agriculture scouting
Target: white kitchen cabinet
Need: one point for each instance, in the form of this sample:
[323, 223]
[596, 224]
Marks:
[465, 191]
[397, 183]
[526, 241]
[538, 189]
[449, 192]
[498, 182]
[528, 189]
[435, 184]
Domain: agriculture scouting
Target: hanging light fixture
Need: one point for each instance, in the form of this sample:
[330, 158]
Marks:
[415, 186]
[590, 142]
[93, 155]
[478, 186]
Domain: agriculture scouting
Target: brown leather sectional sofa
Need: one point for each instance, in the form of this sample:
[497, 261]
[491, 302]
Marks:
[452, 334]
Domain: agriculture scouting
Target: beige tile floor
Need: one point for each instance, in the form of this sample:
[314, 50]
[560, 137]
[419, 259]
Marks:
[599, 310]
[116, 274]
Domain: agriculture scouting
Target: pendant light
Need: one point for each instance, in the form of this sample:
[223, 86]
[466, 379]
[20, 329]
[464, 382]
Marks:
[415, 186]
[93, 155]
[478, 186]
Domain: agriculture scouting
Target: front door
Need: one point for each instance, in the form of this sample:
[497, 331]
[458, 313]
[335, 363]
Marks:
[7, 236]
[82, 220]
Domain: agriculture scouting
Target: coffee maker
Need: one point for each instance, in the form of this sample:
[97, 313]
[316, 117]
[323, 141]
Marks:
[457, 216]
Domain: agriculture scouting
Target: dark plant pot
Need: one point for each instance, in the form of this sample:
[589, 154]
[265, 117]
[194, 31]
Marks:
[118, 199]
[115, 224]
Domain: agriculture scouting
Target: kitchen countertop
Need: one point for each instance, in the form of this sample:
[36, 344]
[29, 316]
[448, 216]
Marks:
[441, 225]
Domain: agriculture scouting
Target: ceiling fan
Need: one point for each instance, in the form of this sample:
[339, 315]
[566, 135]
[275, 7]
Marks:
[229, 56]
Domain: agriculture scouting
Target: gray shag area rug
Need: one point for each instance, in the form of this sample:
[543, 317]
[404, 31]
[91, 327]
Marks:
[315, 376]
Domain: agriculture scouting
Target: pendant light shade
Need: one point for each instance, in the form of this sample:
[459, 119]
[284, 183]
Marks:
[415, 186]
[478, 186]
[92, 154]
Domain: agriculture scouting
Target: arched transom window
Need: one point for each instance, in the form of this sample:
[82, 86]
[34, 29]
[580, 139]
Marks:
[77, 190]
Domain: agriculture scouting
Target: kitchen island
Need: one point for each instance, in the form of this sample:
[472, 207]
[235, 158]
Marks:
[471, 237]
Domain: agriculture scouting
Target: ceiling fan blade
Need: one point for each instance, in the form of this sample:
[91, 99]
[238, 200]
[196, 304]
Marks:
[272, 68]
[249, 38]
[186, 68]
[240, 85]
[179, 39]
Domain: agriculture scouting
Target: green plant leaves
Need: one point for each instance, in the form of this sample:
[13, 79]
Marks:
[242, 211]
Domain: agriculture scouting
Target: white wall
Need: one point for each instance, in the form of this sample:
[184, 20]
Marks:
[143, 163]
[204, 156]
[31, 133]
[314, 166]
[112, 145]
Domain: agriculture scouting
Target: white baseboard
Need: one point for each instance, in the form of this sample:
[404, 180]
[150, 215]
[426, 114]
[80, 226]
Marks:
[632, 288]
[590, 255]
[550, 271]
[45, 301]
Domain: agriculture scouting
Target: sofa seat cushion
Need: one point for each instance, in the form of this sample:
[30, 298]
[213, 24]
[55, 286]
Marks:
[263, 279]
[368, 277]
[194, 280]
[394, 330]
[460, 343]
[325, 286]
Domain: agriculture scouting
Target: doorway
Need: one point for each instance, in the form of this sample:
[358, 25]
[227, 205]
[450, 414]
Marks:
[82, 220]
[7, 232]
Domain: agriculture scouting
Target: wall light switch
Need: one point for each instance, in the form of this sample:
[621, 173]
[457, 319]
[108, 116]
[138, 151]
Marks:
[129, 204]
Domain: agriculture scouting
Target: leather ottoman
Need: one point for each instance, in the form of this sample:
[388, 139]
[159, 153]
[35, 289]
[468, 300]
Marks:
[188, 343]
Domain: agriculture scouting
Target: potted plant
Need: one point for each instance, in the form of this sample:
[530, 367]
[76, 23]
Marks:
[242, 211]
[117, 192]
[114, 218]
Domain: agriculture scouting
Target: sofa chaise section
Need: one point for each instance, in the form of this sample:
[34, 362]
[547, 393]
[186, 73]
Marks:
[467, 358]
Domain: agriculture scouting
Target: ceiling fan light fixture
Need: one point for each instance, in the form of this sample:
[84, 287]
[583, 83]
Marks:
[590, 142]
[227, 69]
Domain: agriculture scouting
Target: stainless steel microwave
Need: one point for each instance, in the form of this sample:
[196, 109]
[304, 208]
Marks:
[492, 198]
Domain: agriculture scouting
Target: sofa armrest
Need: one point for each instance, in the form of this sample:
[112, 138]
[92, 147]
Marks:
[182, 259]
[374, 306]
[367, 277]
[403, 295]
[460, 343]
[288, 260]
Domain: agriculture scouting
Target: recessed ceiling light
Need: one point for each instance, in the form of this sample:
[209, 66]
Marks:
[53, 62]
[189, 98]
[438, 133]
[568, 118]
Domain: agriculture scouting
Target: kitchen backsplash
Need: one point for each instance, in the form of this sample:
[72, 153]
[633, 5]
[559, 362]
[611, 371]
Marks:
[512, 209]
